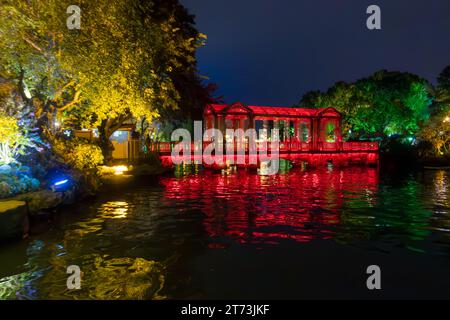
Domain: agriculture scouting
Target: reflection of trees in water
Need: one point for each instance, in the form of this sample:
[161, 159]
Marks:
[97, 245]
[23, 285]
[402, 211]
[436, 190]
[348, 205]
[405, 212]
[126, 250]
[108, 278]
[250, 208]
[140, 244]
[100, 246]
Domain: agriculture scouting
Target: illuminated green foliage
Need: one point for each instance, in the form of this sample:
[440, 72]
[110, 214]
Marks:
[384, 104]
[330, 132]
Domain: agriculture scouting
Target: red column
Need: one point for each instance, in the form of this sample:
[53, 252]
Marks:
[315, 133]
[296, 133]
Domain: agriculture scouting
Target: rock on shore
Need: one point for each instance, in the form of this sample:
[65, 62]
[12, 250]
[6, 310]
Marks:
[13, 219]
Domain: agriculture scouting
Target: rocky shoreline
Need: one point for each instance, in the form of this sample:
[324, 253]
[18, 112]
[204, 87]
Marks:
[17, 213]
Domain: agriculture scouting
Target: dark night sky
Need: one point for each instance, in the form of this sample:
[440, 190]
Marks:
[270, 52]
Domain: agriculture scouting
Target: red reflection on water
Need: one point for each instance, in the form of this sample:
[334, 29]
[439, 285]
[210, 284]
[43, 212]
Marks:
[251, 208]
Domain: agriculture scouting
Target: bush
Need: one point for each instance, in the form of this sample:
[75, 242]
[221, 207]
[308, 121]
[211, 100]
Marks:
[78, 154]
[86, 156]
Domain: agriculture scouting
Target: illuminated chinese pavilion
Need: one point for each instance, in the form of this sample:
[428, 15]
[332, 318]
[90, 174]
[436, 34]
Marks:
[310, 129]
[306, 136]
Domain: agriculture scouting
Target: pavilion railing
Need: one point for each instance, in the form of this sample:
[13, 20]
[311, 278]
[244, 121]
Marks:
[360, 146]
[284, 146]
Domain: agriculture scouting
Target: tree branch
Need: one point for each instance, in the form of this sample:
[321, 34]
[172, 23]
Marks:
[61, 90]
[31, 43]
[21, 86]
[119, 122]
[76, 99]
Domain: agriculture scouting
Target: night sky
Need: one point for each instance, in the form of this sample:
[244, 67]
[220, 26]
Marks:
[270, 52]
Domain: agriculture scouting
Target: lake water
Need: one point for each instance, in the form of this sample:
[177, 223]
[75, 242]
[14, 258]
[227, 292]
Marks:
[202, 234]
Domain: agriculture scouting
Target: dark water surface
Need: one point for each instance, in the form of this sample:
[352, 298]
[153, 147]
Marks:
[303, 234]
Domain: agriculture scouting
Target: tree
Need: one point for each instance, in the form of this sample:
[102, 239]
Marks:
[29, 40]
[13, 142]
[140, 48]
[119, 66]
[397, 104]
[346, 99]
[311, 99]
[444, 79]
[384, 104]
[18, 131]
[436, 131]
[442, 91]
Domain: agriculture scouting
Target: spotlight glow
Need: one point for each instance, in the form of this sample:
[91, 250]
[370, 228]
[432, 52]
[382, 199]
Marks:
[118, 170]
[61, 182]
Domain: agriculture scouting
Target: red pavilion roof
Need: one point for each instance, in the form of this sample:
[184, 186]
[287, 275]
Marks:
[269, 110]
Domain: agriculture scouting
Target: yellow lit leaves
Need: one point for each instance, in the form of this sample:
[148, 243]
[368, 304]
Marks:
[9, 130]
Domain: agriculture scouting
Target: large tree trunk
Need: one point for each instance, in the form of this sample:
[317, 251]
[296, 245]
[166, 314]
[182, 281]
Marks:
[106, 129]
[104, 134]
